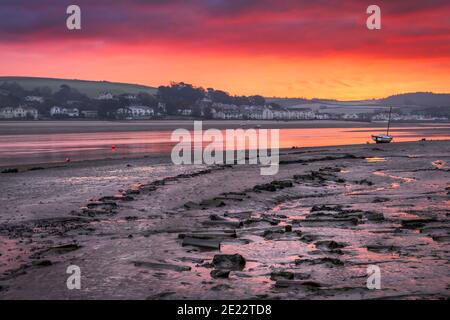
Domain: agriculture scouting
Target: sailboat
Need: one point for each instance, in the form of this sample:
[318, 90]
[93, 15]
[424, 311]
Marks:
[384, 138]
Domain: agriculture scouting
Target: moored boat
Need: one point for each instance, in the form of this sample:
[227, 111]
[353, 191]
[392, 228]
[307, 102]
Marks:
[384, 138]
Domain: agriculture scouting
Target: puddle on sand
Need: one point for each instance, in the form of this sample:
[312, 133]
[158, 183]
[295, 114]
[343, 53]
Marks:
[375, 159]
[384, 174]
[392, 185]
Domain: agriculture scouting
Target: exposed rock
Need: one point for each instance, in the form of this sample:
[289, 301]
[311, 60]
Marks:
[272, 234]
[216, 217]
[296, 283]
[238, 214]
[119, 197]
[220, 287]
[308, 238]
[212, 203]
[63, 249]
[232, 224]
[382, 248]
[416, 223]
[160, 295]
[191, 205]
[273, 186]
[105, 205]
[380, 200]
[374, 216]
[36, 168]
[325, 207]
[208, 235]
[364, 181]
[209, 244]
[42, 263]
[330, 245]
[265, 187]
[281, 274]
[229, 261]
[326, 260]
[331, 223]
[161, 266]
[220, 273]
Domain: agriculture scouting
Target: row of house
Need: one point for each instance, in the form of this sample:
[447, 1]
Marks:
[406, 117]
[129, 112]
[135, 112]
[21, 112]
[233, 112]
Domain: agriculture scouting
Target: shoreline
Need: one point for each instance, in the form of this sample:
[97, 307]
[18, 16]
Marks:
[344, 212]
[162, 158]
[70, 126]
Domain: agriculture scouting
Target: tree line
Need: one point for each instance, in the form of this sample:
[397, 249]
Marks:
[168, 99]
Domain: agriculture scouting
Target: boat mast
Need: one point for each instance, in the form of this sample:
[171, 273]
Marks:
[389, 121]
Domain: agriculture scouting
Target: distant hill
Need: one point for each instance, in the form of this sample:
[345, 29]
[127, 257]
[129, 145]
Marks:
[90, 88]
[423, 99]
[432, 103]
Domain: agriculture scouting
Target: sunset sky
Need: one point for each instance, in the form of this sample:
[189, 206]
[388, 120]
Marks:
[294, 48]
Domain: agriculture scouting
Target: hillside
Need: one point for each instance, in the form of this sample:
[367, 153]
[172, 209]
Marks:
[432, 103]
[426, 99]
[90, 88]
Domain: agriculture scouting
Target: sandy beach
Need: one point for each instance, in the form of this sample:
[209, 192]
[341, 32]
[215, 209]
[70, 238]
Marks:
[145, 229]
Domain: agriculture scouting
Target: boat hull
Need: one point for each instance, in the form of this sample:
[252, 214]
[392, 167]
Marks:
[382, 139]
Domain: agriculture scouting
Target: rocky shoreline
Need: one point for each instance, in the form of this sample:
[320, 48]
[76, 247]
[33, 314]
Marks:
[226, 232]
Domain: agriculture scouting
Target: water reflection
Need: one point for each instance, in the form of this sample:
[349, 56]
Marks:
[48, 148]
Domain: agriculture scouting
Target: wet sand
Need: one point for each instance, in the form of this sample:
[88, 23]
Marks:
[143, 229]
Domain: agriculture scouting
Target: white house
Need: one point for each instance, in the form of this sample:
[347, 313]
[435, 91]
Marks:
[136, 112]
[61, 111]
[18, 113]
[89, 113]
[105, 96]
[350, 116]
[7, 113]
[34, 99]
[184, 112]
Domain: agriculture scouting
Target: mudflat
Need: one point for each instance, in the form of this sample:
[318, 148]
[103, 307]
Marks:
[145, 229]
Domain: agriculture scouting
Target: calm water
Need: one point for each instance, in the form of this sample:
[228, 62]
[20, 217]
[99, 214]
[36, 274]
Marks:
[56, 147]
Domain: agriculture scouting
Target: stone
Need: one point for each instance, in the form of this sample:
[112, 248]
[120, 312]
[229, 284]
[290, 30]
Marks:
[42, 263]
[208, 235]
[289, 283]
[229, 261]
[281, 274]
[161, 266]
[220, 273]
[209, 244]
[327, 261]
[374, 216]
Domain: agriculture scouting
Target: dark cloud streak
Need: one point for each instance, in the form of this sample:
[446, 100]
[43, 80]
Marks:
[410, 28]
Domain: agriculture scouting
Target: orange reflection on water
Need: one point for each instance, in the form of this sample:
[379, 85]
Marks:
[55, 147]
